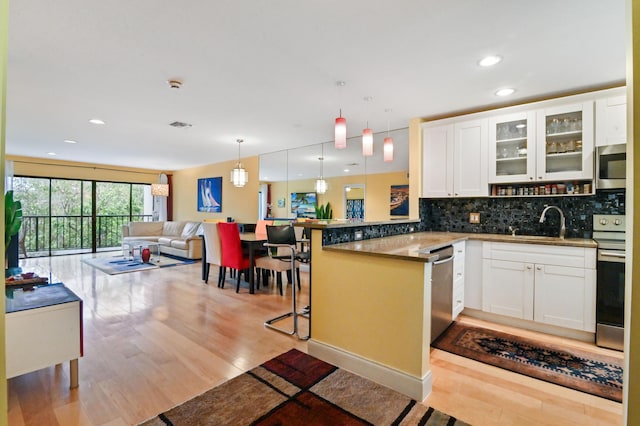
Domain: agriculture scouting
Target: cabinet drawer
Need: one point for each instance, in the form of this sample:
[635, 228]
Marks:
[458, 301]
[459, 248]
[575, 257]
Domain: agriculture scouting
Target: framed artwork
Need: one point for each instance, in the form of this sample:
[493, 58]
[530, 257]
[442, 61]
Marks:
[210, 195]
[281, 202]
[303, 204]
[399, 200]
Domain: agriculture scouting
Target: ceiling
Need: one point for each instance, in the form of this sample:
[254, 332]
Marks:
[266, 71]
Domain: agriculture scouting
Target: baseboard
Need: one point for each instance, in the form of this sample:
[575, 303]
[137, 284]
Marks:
[583, 336]
[413, 387]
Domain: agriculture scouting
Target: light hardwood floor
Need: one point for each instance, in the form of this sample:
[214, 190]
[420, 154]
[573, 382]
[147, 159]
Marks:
[156, 338]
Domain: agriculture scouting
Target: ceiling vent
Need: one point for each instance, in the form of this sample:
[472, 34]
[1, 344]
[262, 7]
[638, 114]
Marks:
[179, 124]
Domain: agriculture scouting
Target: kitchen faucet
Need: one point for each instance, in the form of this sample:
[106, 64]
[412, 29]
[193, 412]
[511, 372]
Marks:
[562, 226]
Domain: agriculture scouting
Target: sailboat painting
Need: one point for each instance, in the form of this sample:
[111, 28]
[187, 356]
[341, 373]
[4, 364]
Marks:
[399, 201]
[210, 195]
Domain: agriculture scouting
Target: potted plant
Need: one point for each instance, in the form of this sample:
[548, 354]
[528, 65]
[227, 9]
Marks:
[324, 211]
[12, 224]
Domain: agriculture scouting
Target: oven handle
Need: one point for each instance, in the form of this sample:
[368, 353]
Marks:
[611, 256]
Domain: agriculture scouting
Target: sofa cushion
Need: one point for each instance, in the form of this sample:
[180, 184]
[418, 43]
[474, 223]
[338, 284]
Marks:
[145, 228]
[172, 228]
[150, 238]
[190, 229]
[179, 244]
[165, 241]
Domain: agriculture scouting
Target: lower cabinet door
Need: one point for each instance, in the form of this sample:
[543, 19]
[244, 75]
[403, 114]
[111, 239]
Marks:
[507, 288]
[565, 297]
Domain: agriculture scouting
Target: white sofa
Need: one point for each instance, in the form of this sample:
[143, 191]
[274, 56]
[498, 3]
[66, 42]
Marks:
[175, 238]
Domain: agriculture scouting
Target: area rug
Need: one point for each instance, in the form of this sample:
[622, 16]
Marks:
[297, 389]
[113, 265]
[573, 368]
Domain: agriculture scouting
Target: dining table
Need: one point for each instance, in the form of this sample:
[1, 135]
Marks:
[253, 242]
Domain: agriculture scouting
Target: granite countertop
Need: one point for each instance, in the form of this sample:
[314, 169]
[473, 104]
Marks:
[339, 223]
[417, 246]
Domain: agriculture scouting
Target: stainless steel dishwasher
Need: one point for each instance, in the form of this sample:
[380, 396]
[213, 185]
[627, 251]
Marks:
[441, 291]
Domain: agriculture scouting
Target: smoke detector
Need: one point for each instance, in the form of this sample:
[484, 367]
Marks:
[174, 84]
[180, 124]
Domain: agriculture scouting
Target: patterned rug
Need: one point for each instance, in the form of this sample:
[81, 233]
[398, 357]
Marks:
[113, 265]
[587, 372]
[298, 389]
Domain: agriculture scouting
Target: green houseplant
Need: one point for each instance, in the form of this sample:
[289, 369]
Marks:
[324, 211]
[12, 224]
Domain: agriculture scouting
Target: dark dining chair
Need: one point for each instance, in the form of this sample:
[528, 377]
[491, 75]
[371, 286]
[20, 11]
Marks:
[283, 239]
[280, 239]
[231, 252]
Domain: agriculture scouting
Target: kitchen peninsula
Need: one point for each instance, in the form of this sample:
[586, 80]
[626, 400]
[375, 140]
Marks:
[371, 302]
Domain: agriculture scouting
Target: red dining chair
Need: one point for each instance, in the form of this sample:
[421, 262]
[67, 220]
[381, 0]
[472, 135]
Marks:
[231, 251]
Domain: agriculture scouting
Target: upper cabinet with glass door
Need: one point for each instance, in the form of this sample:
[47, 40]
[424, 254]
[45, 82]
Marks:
[565, 142]
[512, 154]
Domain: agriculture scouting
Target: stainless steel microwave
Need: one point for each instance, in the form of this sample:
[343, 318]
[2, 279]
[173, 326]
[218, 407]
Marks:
[611, 166]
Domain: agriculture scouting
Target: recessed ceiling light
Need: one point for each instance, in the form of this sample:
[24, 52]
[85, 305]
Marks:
[51, 153]
[490, 60]
[96, 121]
[70, 141]
[347, 170]
[505, 92]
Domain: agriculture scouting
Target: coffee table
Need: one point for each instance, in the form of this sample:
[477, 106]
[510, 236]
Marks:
[132, 249]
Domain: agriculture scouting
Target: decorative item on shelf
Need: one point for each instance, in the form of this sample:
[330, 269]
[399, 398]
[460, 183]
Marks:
[145, 255]
[324, 211]
[239, 176]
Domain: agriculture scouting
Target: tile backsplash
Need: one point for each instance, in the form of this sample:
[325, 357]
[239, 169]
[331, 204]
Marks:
[498, 213]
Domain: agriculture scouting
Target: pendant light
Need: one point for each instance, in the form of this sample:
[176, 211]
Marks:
[341, 132]
[388, 143]
[340, 127]
[367, 141]
[239, 176]
[367, 134]
[321, 184]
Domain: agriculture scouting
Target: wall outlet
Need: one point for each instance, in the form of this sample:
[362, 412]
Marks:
[357, 235]
[474, 217]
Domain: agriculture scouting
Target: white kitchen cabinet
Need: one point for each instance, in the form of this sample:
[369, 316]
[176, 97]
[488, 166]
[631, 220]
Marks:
[611, 120]
[454, 161]
[565, 296]
[507, 288]
[470, 158]
[512, 147]
[473, 275]
[458, 278]
[565, 142]
[437, 161]
[544, 283]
